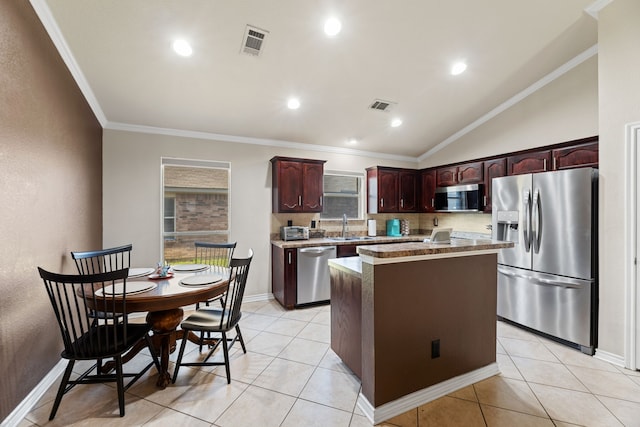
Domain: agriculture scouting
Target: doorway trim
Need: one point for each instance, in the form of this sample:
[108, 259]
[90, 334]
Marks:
[632, 329]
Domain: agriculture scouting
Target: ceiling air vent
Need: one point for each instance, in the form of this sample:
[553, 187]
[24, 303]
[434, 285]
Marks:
[253, 40]
[380, 105]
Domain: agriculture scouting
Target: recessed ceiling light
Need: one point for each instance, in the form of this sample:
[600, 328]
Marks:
[395, 123]
[352, 141]
[293, 103]
[332, 27]
[458, 68]
[182, 47]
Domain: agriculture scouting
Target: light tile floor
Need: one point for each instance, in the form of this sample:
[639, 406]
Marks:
[290, 377]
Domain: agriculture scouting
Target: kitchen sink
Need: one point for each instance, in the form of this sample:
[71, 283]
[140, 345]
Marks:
[354, 238]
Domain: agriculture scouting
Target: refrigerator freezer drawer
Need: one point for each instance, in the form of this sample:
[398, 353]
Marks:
[558, 306]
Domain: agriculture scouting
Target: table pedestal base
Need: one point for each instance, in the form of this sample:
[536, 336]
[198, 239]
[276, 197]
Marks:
[164, 324]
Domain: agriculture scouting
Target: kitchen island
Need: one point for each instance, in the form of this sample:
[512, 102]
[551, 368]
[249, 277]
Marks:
[415, 321]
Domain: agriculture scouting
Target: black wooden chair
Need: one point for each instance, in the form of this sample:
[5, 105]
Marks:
[220, 320]
[85, 339]
[102, 261]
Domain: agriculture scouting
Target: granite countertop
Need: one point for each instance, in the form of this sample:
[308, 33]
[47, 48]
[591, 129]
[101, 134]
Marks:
[335, 241]
[397, 250]
[351, 264]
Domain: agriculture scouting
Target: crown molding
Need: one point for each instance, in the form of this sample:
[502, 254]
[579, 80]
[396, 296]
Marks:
[593, 50]
[51, 26]
[594, 8]
[251, 140]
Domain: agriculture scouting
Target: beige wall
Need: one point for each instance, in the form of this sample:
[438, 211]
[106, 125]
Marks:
[619, 85]
[50, 181]
[132, 192]
[563, 110]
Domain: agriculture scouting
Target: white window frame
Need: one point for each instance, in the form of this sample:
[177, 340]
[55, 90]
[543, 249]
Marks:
[361, 193]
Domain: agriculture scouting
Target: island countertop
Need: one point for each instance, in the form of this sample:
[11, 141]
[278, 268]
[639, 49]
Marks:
[418, 249]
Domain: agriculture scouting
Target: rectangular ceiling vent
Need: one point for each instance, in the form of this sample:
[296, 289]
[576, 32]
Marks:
[380, 105]
[253, 40]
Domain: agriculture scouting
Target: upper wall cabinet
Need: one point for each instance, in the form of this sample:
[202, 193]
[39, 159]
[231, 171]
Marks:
[583, 155]
[468, 173]
[391, 190]
[493, 168]
[536, 161]
[297, 184]
[428, 190]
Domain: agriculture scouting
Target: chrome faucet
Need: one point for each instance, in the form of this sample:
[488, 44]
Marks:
[344, 226]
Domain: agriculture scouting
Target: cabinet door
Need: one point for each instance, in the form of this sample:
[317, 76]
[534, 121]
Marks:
[408, 191]
[284, 275]
[289, 186]
[537, 161]
[428, 193]
[492, 169]
[446, 176]
[582, 155]
[387, 191]
[470, 173]
[346, 251]
[312, 191]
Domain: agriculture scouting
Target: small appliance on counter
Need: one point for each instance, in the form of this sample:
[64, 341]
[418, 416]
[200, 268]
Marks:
[294, 233]
[371, 227]
[393, 228]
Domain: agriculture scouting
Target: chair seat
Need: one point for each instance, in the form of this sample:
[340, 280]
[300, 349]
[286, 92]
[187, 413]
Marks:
[91, 345]
[208, 320]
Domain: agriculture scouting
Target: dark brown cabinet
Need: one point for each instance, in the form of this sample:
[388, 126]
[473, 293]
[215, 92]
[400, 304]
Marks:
[536, 161]
[284, 275]
[343, 251]
[468, 173]
[428, 190]
[391, 190]
[492, 169]
[583, 155]
[297, 185]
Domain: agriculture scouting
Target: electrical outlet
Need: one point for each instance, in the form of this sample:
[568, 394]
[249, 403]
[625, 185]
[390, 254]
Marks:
[435, 349]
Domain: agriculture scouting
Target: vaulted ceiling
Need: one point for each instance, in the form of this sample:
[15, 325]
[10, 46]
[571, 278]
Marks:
[120, 52]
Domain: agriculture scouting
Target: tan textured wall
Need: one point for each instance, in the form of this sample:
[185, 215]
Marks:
[619, 84]
[50, 182]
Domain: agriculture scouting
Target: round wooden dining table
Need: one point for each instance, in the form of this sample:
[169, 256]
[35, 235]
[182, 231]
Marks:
[163, 305]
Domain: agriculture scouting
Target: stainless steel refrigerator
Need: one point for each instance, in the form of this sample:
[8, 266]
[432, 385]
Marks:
[548, 280]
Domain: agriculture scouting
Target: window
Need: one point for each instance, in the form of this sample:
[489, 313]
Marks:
[195, 206]
[342, 194]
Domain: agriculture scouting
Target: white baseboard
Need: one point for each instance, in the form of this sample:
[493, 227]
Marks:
[399, 406]
[610, 357]
[29, 402]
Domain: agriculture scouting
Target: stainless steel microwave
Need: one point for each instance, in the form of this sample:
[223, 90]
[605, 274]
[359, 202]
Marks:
[459, 198]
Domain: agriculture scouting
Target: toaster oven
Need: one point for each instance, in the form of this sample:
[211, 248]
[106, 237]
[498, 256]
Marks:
[294, 233]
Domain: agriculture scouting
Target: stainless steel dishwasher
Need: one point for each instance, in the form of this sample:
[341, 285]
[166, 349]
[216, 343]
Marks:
[313, 274]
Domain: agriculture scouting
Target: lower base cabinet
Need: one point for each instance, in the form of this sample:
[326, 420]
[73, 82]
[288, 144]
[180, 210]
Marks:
[284, 275]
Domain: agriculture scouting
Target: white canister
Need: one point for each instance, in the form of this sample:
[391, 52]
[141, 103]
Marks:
[371, 227]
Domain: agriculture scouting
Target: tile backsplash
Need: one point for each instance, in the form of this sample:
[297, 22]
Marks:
[419, 223]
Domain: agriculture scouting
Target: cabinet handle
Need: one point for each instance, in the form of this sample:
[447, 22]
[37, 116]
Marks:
[544, 164]
[459, 173]
[433, 203]
[300, 200]
[555, 166]
[382, 203]
[402, 203]
[289, 258]
[320, 200]
[484, 200]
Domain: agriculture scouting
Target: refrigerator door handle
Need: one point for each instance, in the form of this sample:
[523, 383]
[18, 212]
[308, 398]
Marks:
[535, 221]
[526, 226]
[510, 274]
[560, 283]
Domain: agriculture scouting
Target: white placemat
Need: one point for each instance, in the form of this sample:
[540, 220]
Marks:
[190, 267]
[201, 279]
[132, 288]
[139, 272]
